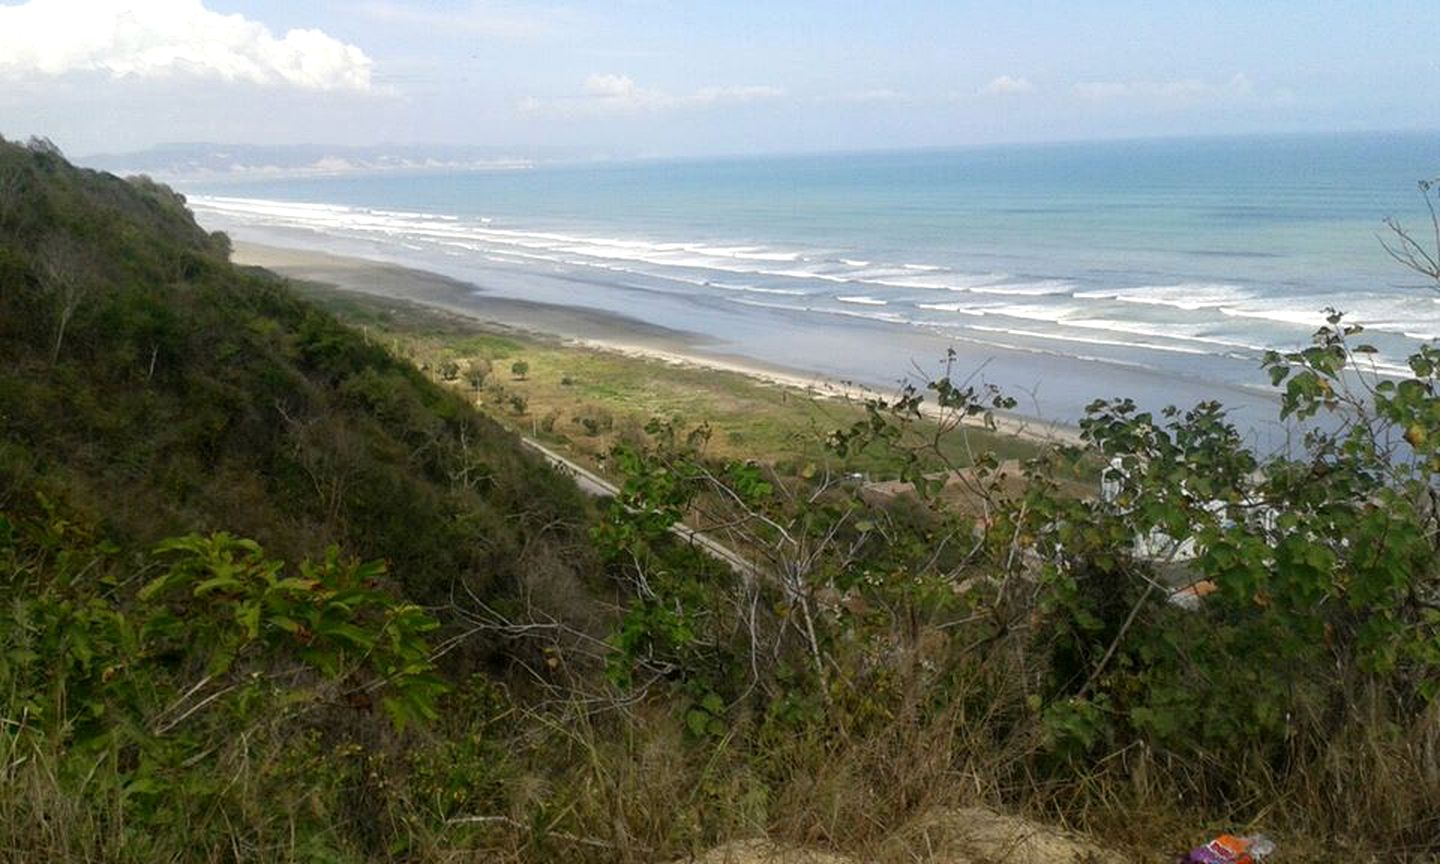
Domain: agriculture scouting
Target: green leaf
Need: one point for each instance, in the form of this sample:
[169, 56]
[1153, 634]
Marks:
[248, 617]
[217, 583]
[221, 661]
[356, 636]
[156, 586]
[289, 625]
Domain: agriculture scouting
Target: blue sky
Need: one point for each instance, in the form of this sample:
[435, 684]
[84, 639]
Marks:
[667, 77]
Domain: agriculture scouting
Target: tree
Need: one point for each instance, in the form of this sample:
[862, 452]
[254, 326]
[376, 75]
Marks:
[449, 370]
[69, 271]
[479, 370]
[520, 369]
[43, 146]
[222, 244]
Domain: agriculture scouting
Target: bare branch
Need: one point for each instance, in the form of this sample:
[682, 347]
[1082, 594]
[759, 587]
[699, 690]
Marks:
[1410, 252]
[68, 270]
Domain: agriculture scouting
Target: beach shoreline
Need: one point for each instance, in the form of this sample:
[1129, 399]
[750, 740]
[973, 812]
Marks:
[1062, 278]
[581, 327]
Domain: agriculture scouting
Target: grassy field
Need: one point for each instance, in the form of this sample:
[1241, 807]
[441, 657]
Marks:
[586, 400]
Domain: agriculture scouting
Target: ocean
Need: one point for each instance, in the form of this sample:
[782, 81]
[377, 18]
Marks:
[1159, 269]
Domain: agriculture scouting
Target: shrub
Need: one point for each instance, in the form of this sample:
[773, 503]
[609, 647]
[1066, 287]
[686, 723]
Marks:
[223, 658]
[595, 420]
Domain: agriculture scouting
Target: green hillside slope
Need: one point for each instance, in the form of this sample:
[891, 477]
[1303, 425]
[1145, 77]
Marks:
[194, 462]
[151, 388]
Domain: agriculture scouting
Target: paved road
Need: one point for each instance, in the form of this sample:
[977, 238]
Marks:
[593, 484]
[589, 482]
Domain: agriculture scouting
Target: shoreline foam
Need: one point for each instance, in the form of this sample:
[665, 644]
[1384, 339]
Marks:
[818, 273]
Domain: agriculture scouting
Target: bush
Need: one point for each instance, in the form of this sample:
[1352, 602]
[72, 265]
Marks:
[222, 657]
[1323, 572]
[594, 420]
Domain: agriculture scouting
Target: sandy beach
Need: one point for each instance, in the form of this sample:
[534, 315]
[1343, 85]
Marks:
[576, 325]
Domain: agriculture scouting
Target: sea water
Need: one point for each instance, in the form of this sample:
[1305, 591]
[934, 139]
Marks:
[1162, 269]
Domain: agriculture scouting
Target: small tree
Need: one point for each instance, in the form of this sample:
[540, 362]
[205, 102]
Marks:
[479, 370]
[222, 244]
[44, 147]
[68, 271]
[449, 370]
[520, 369]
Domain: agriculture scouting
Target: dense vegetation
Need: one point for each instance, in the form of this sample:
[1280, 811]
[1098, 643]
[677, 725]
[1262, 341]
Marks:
[150, 390]
[516, 676]
[155, 389]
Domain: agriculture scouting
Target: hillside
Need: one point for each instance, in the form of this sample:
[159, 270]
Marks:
[273, 593]
[150, 388]
[167, 418]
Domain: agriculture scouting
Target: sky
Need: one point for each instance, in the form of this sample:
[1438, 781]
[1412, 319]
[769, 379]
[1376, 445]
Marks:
[700, 77]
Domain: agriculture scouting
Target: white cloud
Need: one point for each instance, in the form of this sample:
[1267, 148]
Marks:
[609, 93]
[164, 38]
[1007, 86]
[609, 86]
[1177, 91]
